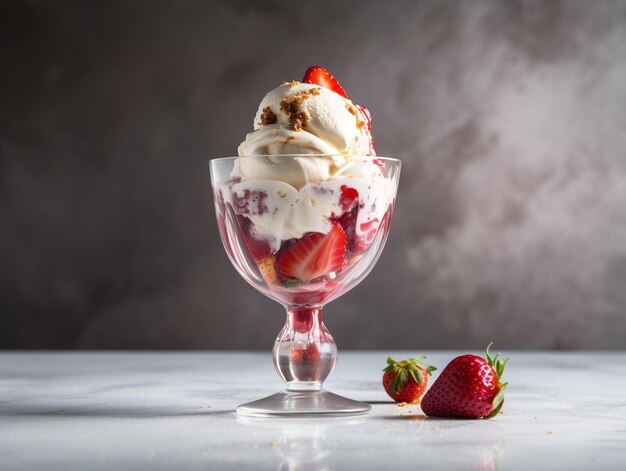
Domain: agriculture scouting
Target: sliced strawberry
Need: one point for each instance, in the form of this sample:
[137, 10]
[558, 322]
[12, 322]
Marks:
[314, 255]
[257, 248]
[318, 75]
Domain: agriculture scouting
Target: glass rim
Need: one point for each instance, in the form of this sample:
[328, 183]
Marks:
[358, 156]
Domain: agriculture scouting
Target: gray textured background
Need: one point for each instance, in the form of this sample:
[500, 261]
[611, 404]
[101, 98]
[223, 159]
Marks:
[510, 118]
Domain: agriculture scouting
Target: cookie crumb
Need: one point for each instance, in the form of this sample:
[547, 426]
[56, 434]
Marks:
[292, 106]
[405, 404]
[267, 117]
[355, 112]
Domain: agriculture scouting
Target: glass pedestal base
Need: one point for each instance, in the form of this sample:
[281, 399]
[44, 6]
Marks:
[303, 404]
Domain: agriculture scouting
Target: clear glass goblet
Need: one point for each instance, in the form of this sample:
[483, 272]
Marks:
[303, 241]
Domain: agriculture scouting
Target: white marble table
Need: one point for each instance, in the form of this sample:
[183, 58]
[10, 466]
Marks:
[131, 411]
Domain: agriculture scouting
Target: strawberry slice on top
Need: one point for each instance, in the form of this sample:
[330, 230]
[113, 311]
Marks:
[314, 255]
[318, 75]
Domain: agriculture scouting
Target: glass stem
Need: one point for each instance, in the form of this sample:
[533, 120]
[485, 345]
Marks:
[304, 352]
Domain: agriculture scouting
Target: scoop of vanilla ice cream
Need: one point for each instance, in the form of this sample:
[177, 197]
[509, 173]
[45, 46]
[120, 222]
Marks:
[302, 118]
[311, 112]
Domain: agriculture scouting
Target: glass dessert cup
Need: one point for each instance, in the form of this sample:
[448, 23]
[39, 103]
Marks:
[304, 242]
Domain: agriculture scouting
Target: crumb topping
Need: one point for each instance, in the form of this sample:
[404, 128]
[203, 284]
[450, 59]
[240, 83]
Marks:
[292, 107]
[355, 112]
[291, 84]
[267, 117]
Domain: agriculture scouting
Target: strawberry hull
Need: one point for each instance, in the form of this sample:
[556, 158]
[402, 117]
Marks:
[406, 380]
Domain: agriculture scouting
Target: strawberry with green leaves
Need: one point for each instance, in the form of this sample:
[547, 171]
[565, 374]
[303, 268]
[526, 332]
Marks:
[406, 380]
[469, 387]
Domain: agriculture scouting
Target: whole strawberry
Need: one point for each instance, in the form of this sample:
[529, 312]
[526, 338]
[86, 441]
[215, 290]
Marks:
[405, 381]
[468, 387]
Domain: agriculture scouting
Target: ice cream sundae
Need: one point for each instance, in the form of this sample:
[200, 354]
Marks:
[304, 213]
[308, 192]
